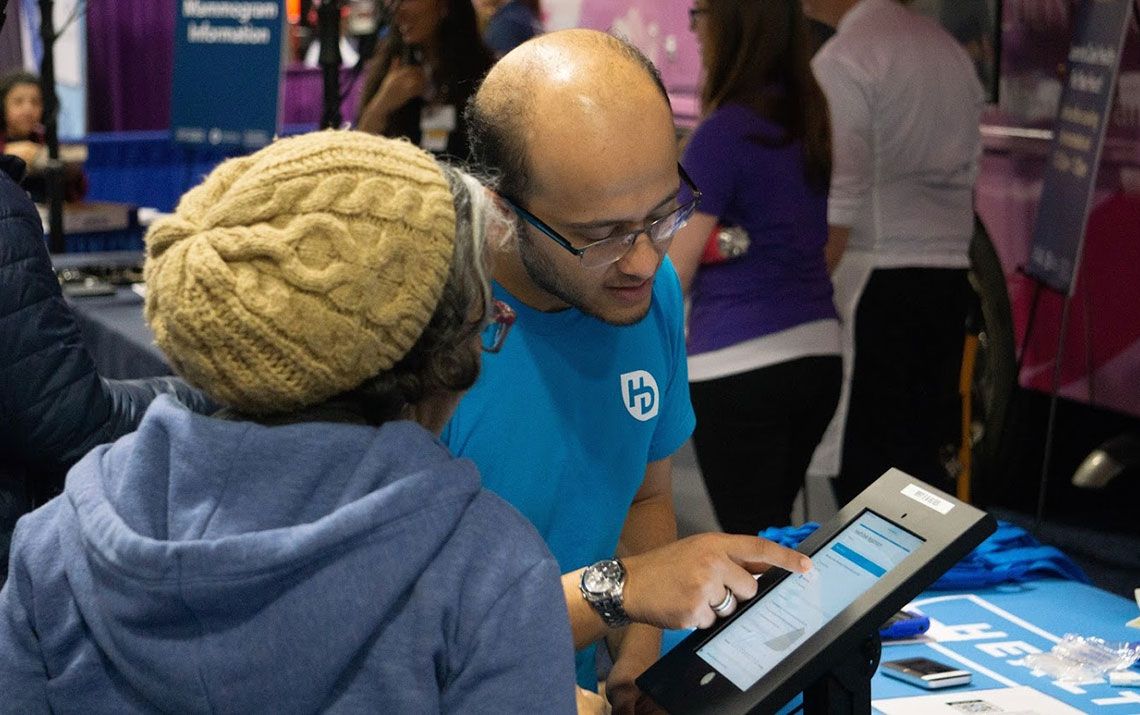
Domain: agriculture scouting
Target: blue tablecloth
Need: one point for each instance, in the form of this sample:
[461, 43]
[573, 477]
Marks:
[989, 631]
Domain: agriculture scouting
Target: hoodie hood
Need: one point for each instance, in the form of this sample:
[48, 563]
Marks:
[220, 565]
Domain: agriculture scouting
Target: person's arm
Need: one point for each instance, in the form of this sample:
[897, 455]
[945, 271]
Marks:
[675, 586]
[836, 245]
[374, 116]
[651, 523]
[520, 660]
[26, 150]
[852, 177]
[591, 703]
[54, 407]
[23, 678]
[689, 246]
[400, 85]
[585, 624]
[689, 575]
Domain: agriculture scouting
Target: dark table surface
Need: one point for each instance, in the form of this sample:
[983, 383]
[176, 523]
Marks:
[117, 336]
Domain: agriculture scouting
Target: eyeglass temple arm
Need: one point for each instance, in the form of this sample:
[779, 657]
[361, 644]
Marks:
[538, 223]
[688, 180]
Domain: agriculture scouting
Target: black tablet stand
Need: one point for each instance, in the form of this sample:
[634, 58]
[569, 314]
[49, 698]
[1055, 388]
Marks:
[846, 688]
[53, 172]
[328, 34]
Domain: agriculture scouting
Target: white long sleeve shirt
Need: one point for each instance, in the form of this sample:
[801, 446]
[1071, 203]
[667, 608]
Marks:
[905, 105]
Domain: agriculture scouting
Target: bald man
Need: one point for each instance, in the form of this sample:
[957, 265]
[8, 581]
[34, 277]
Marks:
[576, 420]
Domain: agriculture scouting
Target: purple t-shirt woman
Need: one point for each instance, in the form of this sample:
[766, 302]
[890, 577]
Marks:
[750, 177]
[764, 365]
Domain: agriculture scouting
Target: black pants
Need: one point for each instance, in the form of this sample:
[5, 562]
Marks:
[909, 330]
[755, 436]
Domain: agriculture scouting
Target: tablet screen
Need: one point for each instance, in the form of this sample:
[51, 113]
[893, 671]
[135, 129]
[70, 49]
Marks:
[842, 570]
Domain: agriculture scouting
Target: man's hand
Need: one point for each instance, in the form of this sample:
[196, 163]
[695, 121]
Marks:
[622, 691]
[402, 84]
[26, 150]
[676, 586]
[590, 703]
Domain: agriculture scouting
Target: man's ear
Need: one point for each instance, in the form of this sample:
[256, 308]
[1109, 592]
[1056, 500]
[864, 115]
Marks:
[500, 204]
[505, 232]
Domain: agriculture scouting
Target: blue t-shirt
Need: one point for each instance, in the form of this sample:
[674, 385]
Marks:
[564, 420]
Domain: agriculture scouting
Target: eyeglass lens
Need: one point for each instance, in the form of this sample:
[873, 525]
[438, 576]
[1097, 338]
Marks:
[660, 233]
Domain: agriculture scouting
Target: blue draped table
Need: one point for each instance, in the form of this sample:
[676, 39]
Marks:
[989, 631]
[118, 338]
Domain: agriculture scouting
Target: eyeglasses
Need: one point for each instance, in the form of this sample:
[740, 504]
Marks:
[694, 13]
[495, 332]
[613, 249]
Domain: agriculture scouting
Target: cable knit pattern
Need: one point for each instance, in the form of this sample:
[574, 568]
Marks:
[296, 273]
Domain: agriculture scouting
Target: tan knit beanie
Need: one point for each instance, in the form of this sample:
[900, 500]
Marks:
[298, 272]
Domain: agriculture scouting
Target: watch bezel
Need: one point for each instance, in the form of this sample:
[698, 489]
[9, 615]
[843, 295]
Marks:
[607, 604]
[611, 571]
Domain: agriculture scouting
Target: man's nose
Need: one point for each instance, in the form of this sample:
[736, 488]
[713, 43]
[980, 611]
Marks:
[642, 259]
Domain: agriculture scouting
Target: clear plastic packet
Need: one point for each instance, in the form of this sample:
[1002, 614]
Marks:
[1079, 659]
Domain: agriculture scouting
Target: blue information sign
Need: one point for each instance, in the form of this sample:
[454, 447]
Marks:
[227, 72]
[1094, 61]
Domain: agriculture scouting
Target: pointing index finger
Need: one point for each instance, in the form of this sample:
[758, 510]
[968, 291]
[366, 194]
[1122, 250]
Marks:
[756, 555]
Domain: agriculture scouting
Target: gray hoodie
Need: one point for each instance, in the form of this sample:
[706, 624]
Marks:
[204, 565]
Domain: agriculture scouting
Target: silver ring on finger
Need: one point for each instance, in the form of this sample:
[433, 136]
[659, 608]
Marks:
[726, 605]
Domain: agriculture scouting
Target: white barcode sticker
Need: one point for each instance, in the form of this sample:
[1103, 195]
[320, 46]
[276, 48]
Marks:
[933, 501]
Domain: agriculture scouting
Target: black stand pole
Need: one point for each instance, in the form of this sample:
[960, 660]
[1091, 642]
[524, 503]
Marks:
[53, 172]
[1049, 429]
[846, 688]
[1029, 324]
[328, 34]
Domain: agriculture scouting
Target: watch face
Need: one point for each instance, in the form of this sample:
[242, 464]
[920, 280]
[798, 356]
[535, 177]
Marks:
[602, 578]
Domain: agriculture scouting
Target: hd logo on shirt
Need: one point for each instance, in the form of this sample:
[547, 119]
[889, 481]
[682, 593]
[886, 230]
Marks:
[639, 393]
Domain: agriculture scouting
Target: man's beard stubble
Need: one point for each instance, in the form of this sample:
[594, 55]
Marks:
[547, 277]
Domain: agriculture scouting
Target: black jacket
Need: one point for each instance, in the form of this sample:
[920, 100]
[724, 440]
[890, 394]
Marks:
[54, 407]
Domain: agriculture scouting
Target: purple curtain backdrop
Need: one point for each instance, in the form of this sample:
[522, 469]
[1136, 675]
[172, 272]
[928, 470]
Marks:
[130, 64]
[130, 67]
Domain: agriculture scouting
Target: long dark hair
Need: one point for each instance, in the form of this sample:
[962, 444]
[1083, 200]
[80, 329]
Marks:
[758, 55]
[463, 58]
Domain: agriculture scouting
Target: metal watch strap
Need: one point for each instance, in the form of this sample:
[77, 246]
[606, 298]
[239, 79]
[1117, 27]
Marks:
[611, 611]
[609, 608]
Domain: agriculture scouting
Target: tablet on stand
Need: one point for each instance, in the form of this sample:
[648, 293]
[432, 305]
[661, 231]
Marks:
[816, 633]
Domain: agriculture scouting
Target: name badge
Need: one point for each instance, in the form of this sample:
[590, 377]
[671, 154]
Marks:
[437, 121]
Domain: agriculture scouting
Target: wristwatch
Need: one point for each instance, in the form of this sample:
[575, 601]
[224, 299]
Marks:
[602, 585]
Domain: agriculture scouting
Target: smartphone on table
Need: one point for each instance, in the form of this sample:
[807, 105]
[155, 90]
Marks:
[926, 673]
